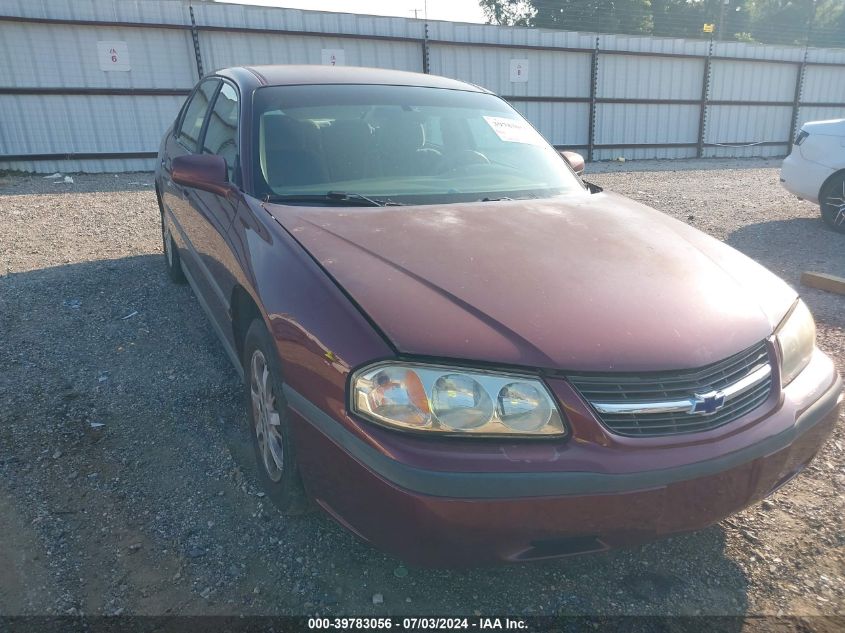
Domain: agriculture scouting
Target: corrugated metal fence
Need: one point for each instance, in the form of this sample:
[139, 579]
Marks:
[91, 85]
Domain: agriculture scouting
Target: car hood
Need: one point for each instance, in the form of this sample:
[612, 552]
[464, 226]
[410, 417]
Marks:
[583, 282]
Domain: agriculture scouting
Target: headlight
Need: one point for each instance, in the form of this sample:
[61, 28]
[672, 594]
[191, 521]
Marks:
[796, 337]
[455, 401]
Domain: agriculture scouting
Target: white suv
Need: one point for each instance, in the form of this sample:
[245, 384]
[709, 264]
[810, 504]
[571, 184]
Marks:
[815, 170]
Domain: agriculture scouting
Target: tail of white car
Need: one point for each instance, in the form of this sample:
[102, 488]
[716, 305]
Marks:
[815, 170]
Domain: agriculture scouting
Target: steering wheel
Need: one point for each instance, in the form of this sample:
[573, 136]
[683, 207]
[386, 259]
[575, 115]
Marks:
[464, 158]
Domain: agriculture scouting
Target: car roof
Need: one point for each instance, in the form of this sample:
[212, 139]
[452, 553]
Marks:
[290, 75]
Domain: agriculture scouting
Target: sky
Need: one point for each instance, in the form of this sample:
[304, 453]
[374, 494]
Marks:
[452, 10]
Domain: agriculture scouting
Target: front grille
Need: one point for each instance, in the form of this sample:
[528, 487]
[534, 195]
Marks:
[659, 387]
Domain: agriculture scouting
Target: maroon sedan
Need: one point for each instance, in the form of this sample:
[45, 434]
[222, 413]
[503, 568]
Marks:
[458, 349]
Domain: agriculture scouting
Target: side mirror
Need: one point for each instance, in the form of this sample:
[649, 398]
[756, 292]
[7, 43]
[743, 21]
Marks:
[575, 160]
[202, 171]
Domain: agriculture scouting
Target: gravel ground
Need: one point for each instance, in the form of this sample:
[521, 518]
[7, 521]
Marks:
[126, 476]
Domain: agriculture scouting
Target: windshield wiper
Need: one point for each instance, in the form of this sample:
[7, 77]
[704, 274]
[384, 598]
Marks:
[376, 202]
[332, 196]
[528, 197]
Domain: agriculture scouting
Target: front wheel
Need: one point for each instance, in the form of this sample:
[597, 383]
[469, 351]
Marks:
[832, 203]
[270, 429]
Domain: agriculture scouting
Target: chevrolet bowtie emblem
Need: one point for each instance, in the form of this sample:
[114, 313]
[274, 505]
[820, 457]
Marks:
[707, 403]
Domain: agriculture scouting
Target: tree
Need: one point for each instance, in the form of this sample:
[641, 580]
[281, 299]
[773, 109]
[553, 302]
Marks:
[508, 12]
[781, 21]
[616, 16]
[625, 16]
[794, 22]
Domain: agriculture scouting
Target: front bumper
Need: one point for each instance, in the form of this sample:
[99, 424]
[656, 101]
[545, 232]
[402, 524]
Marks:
[436, 518]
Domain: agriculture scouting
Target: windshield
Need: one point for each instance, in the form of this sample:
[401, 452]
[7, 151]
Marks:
[402, 144]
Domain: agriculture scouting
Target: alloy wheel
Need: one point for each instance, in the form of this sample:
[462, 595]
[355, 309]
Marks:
[266, 418]
[835, 203]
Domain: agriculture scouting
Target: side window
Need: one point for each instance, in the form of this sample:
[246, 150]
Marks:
[189, 131]
[221, 135]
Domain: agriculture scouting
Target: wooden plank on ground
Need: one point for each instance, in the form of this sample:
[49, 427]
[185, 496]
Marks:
[823, 281]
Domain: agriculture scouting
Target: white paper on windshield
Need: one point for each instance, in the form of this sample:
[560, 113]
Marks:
[514, 130]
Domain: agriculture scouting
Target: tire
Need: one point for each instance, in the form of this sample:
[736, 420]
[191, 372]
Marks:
[269, 425]
[172, 261]
[832, 203]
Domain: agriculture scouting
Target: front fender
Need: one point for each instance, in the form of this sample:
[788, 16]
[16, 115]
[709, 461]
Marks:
[319, 332]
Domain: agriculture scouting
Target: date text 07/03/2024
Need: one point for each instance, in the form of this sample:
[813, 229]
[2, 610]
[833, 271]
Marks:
[421, 623]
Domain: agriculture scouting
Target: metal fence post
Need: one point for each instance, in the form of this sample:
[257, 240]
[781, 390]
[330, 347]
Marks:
[594, 78]
[796, 103]
[425, 51]
[799, 80]
[702, 115]
[195, 36]
[799, 91]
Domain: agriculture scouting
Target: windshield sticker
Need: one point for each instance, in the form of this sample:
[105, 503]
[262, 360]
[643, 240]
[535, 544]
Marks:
[514, 130]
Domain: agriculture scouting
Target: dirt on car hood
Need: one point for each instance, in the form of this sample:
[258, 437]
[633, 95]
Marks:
[584, 282]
